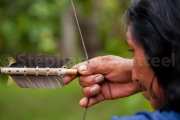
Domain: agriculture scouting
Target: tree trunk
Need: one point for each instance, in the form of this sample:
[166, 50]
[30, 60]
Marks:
[68, 42]
[89, 27]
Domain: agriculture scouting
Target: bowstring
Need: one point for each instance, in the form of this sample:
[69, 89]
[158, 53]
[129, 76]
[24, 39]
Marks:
[82, 39]
[85, 51]
[86, 109]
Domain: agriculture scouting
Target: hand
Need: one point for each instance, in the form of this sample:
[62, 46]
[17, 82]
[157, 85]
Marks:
[105, 78]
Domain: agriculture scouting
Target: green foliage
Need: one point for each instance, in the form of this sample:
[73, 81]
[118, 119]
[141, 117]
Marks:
[25, 24]
[45, 104]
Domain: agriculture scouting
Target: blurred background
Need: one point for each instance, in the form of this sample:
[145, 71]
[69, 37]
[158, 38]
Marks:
[49, 26]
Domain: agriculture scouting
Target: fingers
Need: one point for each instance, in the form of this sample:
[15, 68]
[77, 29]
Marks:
[81, 66]
[96, 65]
[108, 91]
[85, 80]
[113, 68]
[86, 69]
[93, 100]
[90, 80]
[117, 72]
[67, 79]
[91, 91]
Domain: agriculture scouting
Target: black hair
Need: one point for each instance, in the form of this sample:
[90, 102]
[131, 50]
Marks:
[155, 25]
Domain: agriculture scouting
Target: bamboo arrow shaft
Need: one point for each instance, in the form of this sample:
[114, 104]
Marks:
[37, 71]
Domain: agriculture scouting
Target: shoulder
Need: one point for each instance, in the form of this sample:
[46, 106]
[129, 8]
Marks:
[157, 115]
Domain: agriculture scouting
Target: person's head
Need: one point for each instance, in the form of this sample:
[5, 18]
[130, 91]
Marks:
[154, 35]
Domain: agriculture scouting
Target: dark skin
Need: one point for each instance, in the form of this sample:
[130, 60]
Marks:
[144, 74]
[112, 77]
[109, 82]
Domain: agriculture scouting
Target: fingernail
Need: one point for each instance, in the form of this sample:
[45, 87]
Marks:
[98, 79]
[94, 89]
[83, 68]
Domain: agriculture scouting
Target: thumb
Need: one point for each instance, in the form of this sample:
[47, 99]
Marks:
[84, 70]
[87, 68]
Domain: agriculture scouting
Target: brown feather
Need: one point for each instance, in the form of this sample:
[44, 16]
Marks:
[42, 61]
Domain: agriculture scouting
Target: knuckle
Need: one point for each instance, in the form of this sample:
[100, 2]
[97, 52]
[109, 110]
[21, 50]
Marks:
[87, 80]
[86, 92]
[99, 78]
[91, 81]
[81, 81]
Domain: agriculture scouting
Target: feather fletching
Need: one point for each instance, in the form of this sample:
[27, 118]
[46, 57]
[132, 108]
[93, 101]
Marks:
[41, 61]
